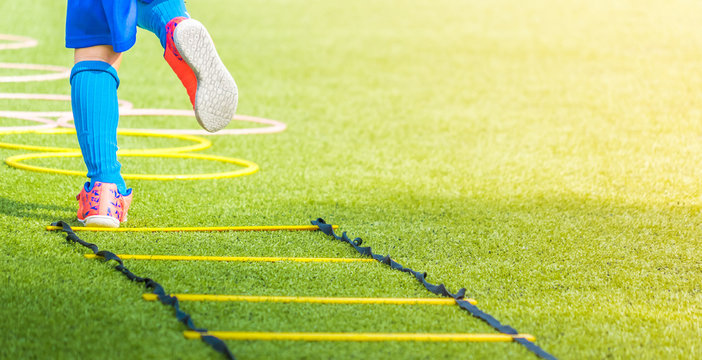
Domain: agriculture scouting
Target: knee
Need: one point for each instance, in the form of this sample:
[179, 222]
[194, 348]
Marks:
[103, 53]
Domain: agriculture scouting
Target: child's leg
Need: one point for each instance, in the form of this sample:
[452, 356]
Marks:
[94, 83]
[99, 31]
[190, 52]
[103, 201]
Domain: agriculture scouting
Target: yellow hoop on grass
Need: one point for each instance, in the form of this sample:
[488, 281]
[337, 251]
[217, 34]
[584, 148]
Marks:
[200, 142]
[249, 167]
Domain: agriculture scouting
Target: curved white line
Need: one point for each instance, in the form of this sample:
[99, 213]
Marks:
[18, 42]
[125, 107]
[275, 126]
[58, 72]
[47, 124]
[123, 104]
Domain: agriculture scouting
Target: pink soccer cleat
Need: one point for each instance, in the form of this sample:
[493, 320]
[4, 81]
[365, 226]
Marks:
[192, 55]
[103, 206]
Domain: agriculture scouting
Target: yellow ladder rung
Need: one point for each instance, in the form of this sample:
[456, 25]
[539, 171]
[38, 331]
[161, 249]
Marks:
[231, 258]
[311, 300]
[210, 228]
[359, 337]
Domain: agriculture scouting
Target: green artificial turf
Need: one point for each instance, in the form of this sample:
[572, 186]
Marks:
[544, 155]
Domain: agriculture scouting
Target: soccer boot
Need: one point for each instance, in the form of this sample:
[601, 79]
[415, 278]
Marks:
[192, 55]
[103, 205]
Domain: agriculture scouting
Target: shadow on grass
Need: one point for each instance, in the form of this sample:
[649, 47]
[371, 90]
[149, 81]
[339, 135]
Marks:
[44, 212]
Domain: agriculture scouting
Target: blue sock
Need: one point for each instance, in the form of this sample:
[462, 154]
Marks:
[96, 113]
[153, 15]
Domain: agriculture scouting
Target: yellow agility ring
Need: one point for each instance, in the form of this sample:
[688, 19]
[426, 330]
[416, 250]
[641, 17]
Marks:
[200, 142]
[249, 167]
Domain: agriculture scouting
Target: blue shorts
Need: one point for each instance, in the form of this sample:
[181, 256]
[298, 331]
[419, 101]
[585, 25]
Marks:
[102, 22]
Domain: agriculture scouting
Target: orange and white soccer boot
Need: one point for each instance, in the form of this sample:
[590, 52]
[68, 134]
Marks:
[192, 55]
[103, 205]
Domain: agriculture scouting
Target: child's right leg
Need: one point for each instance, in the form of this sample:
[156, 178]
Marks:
[190, 52]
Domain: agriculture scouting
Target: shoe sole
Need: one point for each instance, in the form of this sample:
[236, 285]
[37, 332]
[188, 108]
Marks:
[216, 96]
[100, 221]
